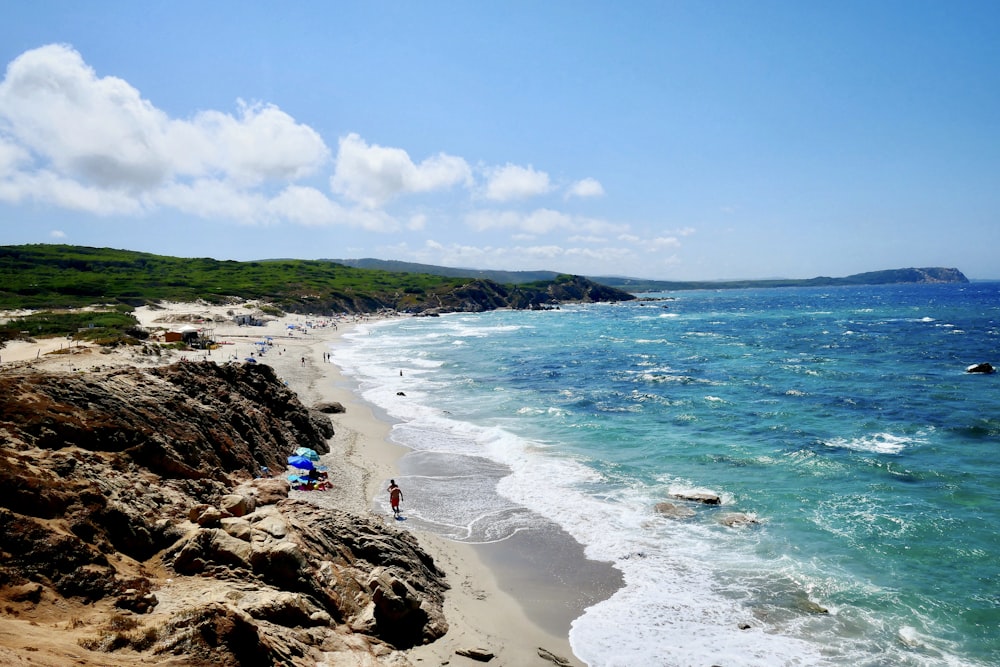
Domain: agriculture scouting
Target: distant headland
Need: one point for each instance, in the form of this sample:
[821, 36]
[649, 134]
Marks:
[638, 285]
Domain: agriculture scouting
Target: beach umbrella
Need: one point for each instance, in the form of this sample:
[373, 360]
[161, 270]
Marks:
[250, 360]
[300, 462]
[307, 453]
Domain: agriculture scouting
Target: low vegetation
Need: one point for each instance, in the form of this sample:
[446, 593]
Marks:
[62, 276]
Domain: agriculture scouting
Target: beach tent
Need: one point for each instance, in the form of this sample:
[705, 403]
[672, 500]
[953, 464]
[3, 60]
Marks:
[307, 453]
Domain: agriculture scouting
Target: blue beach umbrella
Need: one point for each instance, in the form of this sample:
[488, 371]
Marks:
[300, 462]
[250, 360]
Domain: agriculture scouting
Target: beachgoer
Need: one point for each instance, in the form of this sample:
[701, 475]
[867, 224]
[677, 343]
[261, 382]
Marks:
[395, 495]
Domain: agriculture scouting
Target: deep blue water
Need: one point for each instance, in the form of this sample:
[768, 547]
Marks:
[840, 419]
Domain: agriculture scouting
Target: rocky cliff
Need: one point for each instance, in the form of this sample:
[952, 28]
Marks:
[132, 524]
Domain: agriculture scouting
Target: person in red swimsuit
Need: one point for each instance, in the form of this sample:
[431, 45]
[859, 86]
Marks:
[395, 495]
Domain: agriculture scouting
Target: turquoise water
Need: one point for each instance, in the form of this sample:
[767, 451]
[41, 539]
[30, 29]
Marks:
[840, 419]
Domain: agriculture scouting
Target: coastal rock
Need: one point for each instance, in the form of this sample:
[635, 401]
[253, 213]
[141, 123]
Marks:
[330, 407]
[265, 491]
[983, 367]
[122, 490]
[237, 527]
[237, 504]
[703, 497]
[478, 654]
[672, 511]
[737, 519]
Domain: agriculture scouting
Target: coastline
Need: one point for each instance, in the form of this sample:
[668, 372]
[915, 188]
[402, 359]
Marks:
[498, 601]
[514, 599]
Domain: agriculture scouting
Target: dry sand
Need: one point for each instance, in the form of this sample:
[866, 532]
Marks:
[480, 608]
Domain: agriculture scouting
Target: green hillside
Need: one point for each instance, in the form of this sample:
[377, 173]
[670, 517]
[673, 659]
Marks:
[63, 276]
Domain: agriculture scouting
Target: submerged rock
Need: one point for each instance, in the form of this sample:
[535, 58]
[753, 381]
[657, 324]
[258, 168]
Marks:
[673, 511]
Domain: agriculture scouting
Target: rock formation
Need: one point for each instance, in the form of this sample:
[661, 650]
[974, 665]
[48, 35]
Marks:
[131, 520]
[984, 367]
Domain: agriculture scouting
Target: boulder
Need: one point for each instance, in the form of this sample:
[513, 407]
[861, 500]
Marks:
[211, 546]
[478, 654]
[237, 504]
[703, 497]
[265, 491]
[237, 527]
[330, 407]
[673, 511]
[737, 519]
[210, 517]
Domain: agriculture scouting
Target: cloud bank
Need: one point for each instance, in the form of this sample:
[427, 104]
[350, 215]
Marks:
[76, 140]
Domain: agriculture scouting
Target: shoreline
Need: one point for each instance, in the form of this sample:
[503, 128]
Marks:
[500, 600]
[515, 599]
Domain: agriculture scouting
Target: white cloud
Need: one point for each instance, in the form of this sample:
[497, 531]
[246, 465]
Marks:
[12, 156]
[73, 139]
[263, 143]
[372, 175]
[310, 207]
[587, 187]
[98, 130]
[512, 182]
[57, 234]
[76, 140]
[66, 193]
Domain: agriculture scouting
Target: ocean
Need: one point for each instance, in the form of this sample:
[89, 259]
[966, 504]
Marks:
[861, 463]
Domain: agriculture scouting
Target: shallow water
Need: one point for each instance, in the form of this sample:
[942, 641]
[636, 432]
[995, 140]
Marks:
[840, 419]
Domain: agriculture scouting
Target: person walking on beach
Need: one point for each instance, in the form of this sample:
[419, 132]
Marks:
[395, 495]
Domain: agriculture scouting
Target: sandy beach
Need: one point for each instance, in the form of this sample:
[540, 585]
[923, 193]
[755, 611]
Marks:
[510, 599]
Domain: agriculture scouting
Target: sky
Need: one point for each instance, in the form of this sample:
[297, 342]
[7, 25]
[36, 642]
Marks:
[671, 140]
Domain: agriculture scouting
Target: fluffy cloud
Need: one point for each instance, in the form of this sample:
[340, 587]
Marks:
[262, 143]
[588, 187]
[73, 139]
[79, 141]
[372, 175]
[512, 182]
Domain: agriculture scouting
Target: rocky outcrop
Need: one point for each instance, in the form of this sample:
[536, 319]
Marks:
[703, 497]
[133, 492]
[481, 295]
[984, 368]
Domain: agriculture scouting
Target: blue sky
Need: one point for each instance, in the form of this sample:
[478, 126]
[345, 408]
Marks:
[671, 140]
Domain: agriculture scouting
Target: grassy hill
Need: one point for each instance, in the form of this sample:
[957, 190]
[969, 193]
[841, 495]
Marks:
[63, 276]
[46, 276]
